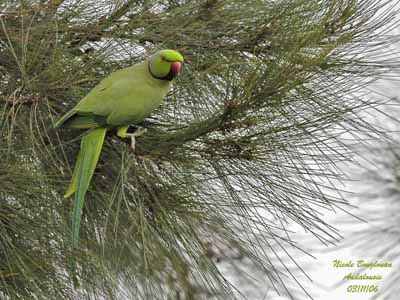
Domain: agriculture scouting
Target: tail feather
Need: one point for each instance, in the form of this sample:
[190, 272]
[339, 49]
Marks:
[72, 186]
[88, 156]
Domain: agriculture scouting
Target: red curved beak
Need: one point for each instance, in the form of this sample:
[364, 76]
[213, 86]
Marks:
[176, 68]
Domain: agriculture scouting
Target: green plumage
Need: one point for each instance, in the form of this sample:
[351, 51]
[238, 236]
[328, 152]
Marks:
[88, 156]
[125, 97]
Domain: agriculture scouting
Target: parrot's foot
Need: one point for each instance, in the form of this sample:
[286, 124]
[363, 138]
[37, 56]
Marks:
[138, 132]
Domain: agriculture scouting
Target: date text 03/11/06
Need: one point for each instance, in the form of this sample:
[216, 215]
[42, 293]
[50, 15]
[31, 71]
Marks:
[362, 289]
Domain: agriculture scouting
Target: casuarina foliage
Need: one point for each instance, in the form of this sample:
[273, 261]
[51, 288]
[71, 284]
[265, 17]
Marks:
[246, 143]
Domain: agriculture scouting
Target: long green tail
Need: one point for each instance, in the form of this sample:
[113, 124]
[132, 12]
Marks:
[91, 145]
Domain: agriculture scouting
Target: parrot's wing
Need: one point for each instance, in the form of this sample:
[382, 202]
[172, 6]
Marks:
[88, 156]
[92, 111]
[64, 118]
[76, 119]
[103, 98]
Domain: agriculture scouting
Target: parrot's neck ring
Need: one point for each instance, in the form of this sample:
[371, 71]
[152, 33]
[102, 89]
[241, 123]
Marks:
[168, 77]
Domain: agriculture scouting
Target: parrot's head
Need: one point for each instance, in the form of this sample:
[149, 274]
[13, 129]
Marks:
[165, 64]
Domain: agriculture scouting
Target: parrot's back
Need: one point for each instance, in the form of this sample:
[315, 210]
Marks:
[125, 97]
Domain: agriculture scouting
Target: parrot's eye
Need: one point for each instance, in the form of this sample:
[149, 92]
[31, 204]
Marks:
[165, 59]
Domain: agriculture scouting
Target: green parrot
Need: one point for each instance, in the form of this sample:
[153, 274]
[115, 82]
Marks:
[126, 97]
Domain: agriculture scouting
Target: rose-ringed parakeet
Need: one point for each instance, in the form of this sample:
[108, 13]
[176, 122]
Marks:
[123, 98]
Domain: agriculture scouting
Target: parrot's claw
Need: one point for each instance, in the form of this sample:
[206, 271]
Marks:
[138, 132]
[133, 142]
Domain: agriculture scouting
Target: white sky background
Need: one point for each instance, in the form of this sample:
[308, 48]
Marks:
[325, 277]
[324, 274]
